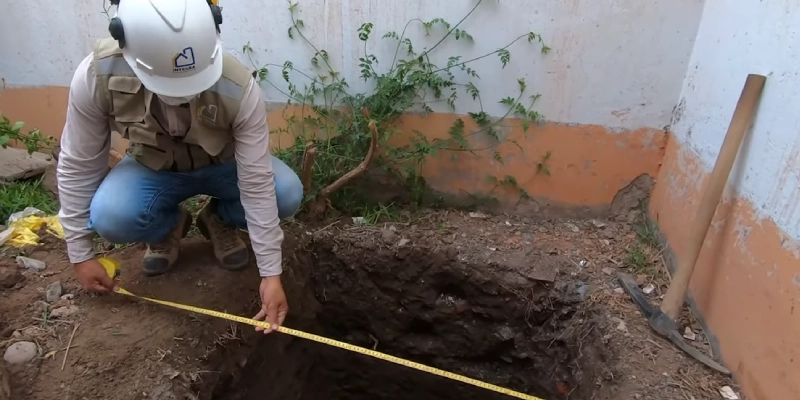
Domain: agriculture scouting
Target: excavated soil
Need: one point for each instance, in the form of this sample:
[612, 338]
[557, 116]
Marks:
[432, 308]
[529, 304]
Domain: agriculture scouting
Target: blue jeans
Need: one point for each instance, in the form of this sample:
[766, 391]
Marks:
[135, 204]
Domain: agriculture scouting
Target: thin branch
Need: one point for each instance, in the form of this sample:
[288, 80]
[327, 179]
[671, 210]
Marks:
[69, 345]
[308, 164]
[454, 27]
[361, 168]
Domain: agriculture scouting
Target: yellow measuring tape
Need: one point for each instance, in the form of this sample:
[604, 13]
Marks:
[112, 267]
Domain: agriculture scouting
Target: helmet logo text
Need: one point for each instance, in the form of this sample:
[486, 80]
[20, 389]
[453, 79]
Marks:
[183, 61]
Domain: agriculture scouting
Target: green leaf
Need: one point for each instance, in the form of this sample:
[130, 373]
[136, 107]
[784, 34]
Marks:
[4, 139]
[17, 126]
[505, 56]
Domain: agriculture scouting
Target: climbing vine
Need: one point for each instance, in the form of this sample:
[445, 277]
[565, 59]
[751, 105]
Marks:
[33, 140]
[336, 128]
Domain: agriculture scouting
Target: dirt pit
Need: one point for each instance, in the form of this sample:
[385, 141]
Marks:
[530, 304]
[475, 319]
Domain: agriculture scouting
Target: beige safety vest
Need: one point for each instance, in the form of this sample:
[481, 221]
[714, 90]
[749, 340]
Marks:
[130, 110]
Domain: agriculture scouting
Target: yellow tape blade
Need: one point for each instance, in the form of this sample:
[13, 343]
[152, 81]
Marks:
[341, 345]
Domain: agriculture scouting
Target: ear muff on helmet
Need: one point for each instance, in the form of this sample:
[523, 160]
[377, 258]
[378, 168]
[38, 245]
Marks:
[115, 27]
[118, 33]
[216, 11]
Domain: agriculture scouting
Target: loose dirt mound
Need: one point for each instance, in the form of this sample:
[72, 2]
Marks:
[515, 302]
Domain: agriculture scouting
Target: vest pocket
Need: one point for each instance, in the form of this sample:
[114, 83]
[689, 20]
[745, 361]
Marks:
[127, 99]
[138, 134]
[151, 157]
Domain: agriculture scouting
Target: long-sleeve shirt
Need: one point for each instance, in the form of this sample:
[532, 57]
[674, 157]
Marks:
[83, 163]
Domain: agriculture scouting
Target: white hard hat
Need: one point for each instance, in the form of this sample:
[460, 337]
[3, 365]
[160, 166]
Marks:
[173, 46]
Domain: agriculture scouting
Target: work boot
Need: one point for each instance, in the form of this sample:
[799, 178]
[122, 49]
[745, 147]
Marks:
[229, 248]
[160, 257]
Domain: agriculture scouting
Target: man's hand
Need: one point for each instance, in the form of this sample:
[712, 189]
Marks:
[273, 303]
[93, 276]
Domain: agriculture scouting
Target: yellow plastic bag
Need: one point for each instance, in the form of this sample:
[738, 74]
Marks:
[25, 229]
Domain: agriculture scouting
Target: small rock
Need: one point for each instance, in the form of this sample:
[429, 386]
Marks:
[582, 290]
[505, 333]
[641, 279]
[619, 290]
[451, 253]
[728, 393]
[53, 292]
[688, 333]
[650, 288]
[62, 312]
[388, 235]
[31, 264]
[583, 263]
[392, 228]
[359, 220]
[598, 224]
[41, 306]
[7, 332]
[478, 215]
[403, 242]
[572, 227]
[61, 303]
[68, 296]
[9, 277]
[621, 325]
[20, 352]
[608, 271]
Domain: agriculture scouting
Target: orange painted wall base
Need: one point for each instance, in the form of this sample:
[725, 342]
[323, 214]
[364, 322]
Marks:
[745, 281]
[588, 165]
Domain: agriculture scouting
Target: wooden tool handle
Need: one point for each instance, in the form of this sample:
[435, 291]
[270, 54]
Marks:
[740, 122]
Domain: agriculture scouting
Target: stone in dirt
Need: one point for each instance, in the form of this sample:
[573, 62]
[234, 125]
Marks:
[49, 181]
[53, 292]
[16, 164]
[728, 393]
[626, 203]
[41, 306]
[20, 352]
[572, 227]
[62, 312]
[9, 277]
[31, 264]
[388, 235]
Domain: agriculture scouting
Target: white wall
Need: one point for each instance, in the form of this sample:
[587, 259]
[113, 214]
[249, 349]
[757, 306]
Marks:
[617, 63]
[738, 37]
